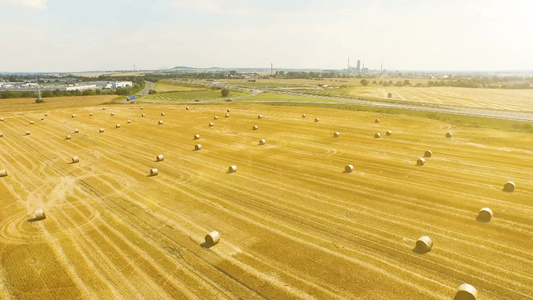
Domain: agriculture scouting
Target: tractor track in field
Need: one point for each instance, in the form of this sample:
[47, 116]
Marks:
[293, 224]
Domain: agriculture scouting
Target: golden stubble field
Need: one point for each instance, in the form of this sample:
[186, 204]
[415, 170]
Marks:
[293, 224]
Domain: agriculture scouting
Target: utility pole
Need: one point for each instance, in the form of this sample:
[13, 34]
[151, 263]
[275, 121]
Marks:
[39, 99]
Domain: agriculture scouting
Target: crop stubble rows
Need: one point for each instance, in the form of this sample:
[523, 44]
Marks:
[293, 224]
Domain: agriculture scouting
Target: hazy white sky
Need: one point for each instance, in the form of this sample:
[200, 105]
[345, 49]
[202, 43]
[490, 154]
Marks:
[76, 35]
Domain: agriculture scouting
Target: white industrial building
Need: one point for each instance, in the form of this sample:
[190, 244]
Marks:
[81, 87]
[121, 84]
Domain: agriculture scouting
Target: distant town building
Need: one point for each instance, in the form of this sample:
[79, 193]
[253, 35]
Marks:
[81, 87]
[121, 84]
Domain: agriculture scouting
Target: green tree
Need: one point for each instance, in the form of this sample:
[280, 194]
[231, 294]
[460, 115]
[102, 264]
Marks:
[47, 94]
[225, 92]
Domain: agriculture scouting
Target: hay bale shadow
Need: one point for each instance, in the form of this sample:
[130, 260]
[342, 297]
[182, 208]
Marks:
[35, 219]
[206, 245]
[417, 250]
[482, 220]
[463, 296]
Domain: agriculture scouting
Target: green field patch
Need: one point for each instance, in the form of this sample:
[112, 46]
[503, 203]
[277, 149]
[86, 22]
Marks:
[285, 98]
[206, 94]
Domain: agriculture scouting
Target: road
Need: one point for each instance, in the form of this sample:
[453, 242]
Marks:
[149, 85]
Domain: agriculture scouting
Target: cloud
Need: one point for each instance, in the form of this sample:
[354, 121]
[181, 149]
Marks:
[31, 4]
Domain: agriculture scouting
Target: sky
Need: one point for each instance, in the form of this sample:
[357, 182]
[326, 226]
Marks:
[106, 35]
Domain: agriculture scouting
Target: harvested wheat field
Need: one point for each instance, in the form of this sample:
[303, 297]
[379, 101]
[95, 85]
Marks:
[291, 223]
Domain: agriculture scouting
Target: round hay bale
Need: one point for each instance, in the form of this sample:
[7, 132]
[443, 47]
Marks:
[160, 157]
[348, 169]
[336, 134]
[75, 159]
[39, 214]
[485, 214]
[509, 186]
[196, 136]
[46, 115]
[377, 121]
[103, 108]
[260, 116]
[232, 169]
[304, 116]
[211, 124]
[76, 131]
[154, 172]
[428, 153]
[73, 116]
[162, 114]
[90, 114]
[317, 120]
[141, 107]
[101, 130]
[143, 115]
[129, 121]
[42, 118]
[32, 122]
[3, 173]
[160, 122]
[228, 110]
[262, 141]
[68, 137]
[377, 135]
[227, 115]
[28, 132]
[117, 126]
[1, 134]
[255, 127]
[198, 147]
[187, 108]
[424, 244]
[212, 238]
[388, 132]
[466, 292]
[112, 114]
[448, 134]
[215, 117]
[421, 161]
[2, 119]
